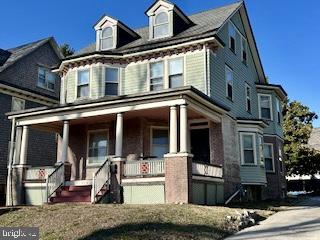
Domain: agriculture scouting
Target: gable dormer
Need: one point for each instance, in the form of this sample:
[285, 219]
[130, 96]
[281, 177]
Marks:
[111, 34]
[166, 20]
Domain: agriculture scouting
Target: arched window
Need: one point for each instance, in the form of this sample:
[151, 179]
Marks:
[107, 38]
[161, 25]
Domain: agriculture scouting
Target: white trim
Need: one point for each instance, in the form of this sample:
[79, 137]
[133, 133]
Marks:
[254, 142]
[151, 136]
[250, 97]
[270, 105]
[106, 130]
[235, 37]
[17, 99]
[227, 68]
[143, 180]
[246, 50]
[272, 156]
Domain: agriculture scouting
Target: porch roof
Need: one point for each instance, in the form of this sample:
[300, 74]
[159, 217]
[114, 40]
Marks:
[124, 103]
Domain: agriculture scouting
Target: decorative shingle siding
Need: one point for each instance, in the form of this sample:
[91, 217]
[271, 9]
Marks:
[195, 70]
[241, 74]
[134, 79]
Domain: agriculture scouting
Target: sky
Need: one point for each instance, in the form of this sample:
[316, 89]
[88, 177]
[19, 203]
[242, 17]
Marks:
[287, 32]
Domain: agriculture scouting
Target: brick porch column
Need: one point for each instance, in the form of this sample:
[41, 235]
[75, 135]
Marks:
[178, 166]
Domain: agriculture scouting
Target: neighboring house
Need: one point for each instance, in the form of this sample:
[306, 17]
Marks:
[26, 82]
[181, 109]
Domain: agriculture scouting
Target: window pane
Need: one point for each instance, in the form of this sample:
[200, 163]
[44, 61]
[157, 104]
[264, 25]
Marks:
[265, 101]
[160, 136]
[247, 142]
[229, 75]
[107, 32]
[42, 81]
[159, 150]
[98, 147]
[156, 69]
[156, 87]
[107, 43]
[51, 86]
[83, 77]
[111, 89]
[175, 66]
[268, 164]
[265, 113]
[232, 30]
[161, 30]
[230, 93]
[161, 18]
[83, 91]
[176, 81]
[248, 105]
[17, 104]
[248, 156]
[112, 75]
[267, 151]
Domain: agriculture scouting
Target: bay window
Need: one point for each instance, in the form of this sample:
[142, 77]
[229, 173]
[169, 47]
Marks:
[265, 106]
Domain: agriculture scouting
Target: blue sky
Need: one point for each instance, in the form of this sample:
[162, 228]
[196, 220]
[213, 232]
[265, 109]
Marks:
[287, 32]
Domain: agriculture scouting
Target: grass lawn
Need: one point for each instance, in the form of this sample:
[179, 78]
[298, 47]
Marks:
[108, 221]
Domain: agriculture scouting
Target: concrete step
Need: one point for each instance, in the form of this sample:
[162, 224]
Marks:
[64, 199]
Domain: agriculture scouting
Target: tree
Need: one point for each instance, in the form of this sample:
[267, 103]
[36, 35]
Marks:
[297, 127]
[66, 50]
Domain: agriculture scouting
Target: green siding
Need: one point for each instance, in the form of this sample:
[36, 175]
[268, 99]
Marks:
[195, 70]
[198, 193]
[71, 86]
[211, 194]
[35, 195]
[96, 82]
[134, 79]
[207, 193]
[144, 194]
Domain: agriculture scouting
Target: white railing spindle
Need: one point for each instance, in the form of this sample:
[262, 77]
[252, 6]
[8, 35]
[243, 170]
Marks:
[145, 167]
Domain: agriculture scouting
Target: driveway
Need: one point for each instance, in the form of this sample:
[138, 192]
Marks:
[299, 223]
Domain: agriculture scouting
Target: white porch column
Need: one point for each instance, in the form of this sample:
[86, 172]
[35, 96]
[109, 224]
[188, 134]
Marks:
[24, 145]
[65, 142]
[173, 130]
[183, 129]
[119, 135]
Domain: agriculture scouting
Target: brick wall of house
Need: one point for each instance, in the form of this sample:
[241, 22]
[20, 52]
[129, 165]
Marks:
[276, 182]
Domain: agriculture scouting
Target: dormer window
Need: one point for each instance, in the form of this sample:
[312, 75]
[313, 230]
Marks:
[106, 38]
[161, 25]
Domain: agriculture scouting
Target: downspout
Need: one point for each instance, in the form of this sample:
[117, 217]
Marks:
[10, 163]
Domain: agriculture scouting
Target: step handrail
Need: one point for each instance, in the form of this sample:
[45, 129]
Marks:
[54, 181]
[100, 178]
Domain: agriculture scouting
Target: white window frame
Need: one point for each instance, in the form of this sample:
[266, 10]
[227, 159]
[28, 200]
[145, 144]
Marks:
[154, 25]
[270, 105]
[167, 65]
[235, 37]
[17, 99]
[278, 109]
[261, 149]
[253, 135]
[88, 142]
[113, 38]
[227, 68]
[151, 136]
[47, 72]
[242, 50]
[272, 156]
[280, 153]
[105, 82]
[89, 83]
[248, 97]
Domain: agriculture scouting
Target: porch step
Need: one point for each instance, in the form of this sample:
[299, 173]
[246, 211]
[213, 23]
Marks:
[72, 194]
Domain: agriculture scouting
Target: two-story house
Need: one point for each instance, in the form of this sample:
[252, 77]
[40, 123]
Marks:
[177, 111]
[26, 82]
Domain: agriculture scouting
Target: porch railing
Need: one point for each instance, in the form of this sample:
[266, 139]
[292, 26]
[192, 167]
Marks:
[54, 180]
[38, 173]
[100, 178]
[207, 170]
[145, 167]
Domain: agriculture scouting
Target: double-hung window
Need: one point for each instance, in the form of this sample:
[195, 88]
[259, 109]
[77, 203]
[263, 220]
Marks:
[229, 82]
[97, 146]
[106, 40]
[111, 81]
[176, 72]
[46, 79]
[278, 110]
[156, 76]
[83, 83]
[160, 142]
[161, 25]
[248, 148]
[265, 106]
[244, 48]
[248, 98]
[232, 37]
[18, 104]
[268, 157]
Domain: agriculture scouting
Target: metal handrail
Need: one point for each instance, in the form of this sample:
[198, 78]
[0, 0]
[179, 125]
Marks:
[100, 178]
[54, 181]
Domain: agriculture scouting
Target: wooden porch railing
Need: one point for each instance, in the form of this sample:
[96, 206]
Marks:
[38, 173]
[54, 180]
[207, 170]
[143, 168]
[100, 178]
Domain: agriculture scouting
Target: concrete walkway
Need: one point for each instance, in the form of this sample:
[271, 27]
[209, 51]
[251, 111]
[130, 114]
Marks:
[298, 223]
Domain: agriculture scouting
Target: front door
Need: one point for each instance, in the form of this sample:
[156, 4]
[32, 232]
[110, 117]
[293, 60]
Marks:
[200, 147]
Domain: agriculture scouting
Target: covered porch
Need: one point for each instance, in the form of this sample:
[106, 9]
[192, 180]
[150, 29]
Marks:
[166, 142]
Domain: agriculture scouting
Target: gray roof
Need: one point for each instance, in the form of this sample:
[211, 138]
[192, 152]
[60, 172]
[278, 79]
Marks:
[12, 55]
[206, 24]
